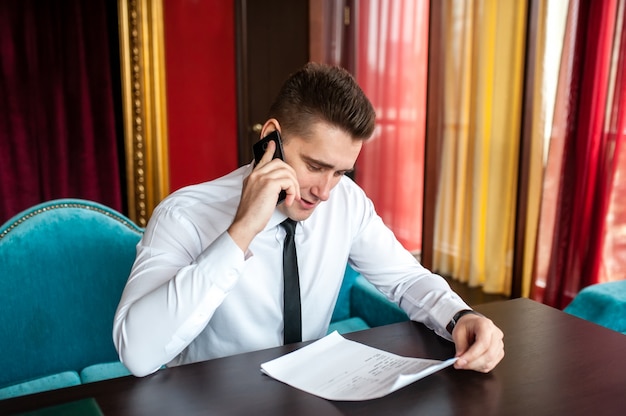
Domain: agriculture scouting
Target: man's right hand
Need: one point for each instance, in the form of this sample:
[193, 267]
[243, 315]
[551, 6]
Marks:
[259, 195]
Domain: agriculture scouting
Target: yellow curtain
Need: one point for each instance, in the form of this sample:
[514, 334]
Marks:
[484, 62]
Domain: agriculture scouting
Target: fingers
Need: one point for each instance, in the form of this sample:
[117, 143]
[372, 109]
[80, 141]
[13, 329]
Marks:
[269, 153]
[479, 344]
[260, 194]
[275, 174]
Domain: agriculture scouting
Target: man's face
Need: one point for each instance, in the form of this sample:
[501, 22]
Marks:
[320, 160]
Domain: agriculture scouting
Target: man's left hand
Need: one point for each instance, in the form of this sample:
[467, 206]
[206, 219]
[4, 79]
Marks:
[479, 343]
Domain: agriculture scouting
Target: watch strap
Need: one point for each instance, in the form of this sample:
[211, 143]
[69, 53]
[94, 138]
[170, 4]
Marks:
[456, 317]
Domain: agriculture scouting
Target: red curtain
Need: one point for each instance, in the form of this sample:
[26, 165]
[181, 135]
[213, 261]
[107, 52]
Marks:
[57, 124]
[585, 164]
[391, 67]
[609, 254]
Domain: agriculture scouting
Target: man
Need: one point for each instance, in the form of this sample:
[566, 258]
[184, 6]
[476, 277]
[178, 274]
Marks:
[207, 281]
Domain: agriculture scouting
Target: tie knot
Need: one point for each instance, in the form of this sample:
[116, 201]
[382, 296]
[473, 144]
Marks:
[289, 225]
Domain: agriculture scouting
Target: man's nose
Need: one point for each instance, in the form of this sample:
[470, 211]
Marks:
[322, 188]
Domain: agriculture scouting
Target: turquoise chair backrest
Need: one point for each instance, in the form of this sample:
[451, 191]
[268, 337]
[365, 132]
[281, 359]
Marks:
[63, 266]
[342, 309]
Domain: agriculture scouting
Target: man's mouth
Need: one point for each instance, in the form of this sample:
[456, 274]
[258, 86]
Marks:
[306, 204]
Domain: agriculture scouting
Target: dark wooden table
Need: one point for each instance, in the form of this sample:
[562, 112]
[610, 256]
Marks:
[555, 364]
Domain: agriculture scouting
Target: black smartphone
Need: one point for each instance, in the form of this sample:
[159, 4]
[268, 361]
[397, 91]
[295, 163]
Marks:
[259, 148]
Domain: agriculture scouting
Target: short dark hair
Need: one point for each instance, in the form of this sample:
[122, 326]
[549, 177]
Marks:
[319, 92]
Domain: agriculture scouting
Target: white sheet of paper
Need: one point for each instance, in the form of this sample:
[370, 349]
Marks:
[339, 369]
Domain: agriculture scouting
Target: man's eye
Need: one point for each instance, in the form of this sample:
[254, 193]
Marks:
[314, 168]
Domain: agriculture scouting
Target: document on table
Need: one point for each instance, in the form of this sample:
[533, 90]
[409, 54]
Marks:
[339, 369]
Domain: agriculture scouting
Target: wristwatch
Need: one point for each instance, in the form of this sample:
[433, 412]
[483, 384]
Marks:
[456, 317]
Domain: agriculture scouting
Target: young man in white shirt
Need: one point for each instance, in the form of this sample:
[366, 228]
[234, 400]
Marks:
[207, 281]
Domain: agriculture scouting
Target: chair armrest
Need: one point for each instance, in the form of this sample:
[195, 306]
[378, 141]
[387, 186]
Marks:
[603, 304]
[369, 304]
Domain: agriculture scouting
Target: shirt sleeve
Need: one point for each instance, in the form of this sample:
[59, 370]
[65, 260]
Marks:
[426, 297]
[172, 292]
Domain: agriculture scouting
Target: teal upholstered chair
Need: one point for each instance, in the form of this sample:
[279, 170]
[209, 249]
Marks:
[603, 304]
[63, 266]
[361, 306]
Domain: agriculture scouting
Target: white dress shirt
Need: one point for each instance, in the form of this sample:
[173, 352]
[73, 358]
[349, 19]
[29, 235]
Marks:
[193, 295]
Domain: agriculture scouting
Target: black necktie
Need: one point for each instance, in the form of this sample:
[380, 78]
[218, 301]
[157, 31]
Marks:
[292, 315]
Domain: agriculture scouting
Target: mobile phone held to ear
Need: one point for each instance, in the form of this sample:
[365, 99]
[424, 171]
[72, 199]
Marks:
[259, 149]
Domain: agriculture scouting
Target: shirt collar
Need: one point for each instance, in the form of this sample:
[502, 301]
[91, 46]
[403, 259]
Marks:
[277, 218]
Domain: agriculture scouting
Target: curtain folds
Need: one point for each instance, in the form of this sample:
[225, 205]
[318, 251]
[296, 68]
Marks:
[57, 125]
[610, 261]
[391, 67]
[549, 40]
[562, 72]
[475, 211]
[579, 167]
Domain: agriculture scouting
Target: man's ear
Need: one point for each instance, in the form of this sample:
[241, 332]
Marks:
[270, 125]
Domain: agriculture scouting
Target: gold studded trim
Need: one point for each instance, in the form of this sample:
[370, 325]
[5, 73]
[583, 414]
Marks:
[51, 207]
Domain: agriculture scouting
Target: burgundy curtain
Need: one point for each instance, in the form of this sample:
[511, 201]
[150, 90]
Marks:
[580, 148]
[57, 124]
